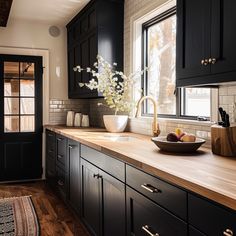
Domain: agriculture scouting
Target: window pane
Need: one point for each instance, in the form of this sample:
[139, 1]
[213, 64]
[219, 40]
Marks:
[27, 105]
[27, 88]
[11, 106]
[197, 102]
[11, 87]
[27, 123]
[11, 124]
[27, 70]
[11, 69]
[161, 61]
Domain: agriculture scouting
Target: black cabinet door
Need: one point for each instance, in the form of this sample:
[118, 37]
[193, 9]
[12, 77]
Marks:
[113, 205]
[74, 174]
[211, 219]
[90, 187]
[144, 217]
[193, 38]
[223, 36]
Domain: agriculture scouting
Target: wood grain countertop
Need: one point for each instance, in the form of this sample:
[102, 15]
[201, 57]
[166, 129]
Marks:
[204, 173]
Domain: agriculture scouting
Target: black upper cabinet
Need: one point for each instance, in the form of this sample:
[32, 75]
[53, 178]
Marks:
[97, 29]
[205, 42]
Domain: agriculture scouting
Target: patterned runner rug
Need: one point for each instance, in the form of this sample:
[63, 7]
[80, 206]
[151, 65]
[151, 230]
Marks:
[18, 217]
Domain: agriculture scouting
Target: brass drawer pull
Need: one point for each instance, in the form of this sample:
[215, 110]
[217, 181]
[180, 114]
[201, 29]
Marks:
[150, 188]
[228, 232]
[60, 182]
[146, 228]
[213, 60]
[204, 62]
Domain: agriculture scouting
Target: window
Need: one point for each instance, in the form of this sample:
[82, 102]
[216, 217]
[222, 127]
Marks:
[159, 53]
[19, 97]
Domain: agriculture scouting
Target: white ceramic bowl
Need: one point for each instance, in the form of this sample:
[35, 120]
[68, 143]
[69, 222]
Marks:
[115, 123]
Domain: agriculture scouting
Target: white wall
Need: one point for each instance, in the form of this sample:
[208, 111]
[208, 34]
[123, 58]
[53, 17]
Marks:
[34, 35]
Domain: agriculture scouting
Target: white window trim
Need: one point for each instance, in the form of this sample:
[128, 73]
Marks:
[136, 55]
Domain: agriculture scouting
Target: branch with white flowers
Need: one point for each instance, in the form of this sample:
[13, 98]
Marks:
[113, 84]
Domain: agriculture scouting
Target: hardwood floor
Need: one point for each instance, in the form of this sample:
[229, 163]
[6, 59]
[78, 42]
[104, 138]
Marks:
[55, 218]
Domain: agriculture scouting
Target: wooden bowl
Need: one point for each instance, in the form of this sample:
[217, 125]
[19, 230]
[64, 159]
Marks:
[179, 147]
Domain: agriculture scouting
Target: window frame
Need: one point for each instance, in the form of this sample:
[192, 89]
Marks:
[179, 92]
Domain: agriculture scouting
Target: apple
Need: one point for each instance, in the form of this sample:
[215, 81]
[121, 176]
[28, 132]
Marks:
[188, 138]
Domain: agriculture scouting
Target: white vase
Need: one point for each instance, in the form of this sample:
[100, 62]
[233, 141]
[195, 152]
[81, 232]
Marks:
[115, 123]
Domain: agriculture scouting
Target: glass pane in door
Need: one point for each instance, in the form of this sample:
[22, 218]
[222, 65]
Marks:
[27, 70]
[27, 106]
[11, 124]
[11, 106]
[11, 69]
[27, 124]
[27, 88]
[11, 87]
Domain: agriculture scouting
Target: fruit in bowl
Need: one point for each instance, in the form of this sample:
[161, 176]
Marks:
[180, 136]
[188, 138]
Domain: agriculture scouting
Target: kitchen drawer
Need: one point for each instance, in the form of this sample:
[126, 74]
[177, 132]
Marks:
[50, 137]
[144, 217]
[61, 150]
[50, 142]
[61, 181]
[209, 218]
[166, 195]
[50, 166]
[106, 163]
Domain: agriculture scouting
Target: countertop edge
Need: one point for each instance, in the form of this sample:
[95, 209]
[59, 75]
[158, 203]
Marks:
[196, 188]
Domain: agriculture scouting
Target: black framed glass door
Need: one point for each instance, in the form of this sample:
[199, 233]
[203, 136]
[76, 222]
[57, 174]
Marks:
[20, 117]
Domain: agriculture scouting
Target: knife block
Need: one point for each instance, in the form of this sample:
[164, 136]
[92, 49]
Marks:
[223, 140]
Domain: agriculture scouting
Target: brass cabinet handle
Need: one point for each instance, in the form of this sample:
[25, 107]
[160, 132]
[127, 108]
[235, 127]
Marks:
[204, 62]
[59, 139]
[213, 60]
[71, 146]
[150, 188]
[228, 232]
[60, 183]
[146, 228]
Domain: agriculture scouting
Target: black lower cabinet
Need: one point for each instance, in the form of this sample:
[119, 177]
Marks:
[144, 217]
[209, 218]
[103, 201]
[51, 157]
[73, 152]
[195, 232]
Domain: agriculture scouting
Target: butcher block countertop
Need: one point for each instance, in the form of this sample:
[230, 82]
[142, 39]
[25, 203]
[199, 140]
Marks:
[209, 175]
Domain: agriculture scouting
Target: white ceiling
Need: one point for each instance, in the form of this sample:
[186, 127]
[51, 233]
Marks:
[58, 12]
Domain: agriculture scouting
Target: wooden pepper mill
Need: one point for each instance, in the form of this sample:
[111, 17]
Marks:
[223, 140]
